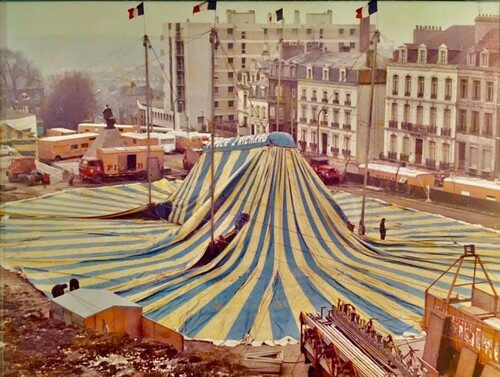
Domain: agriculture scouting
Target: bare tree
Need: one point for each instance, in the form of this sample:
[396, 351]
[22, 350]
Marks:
[71, 101]
[16, 72]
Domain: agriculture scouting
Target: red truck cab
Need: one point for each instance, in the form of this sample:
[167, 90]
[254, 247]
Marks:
[90, 168]
[326, 172]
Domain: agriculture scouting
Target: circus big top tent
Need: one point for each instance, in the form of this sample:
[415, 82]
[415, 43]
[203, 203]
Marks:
[294, 254]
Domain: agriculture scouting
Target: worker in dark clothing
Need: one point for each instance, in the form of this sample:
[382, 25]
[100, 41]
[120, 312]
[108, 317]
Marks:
[58, 290]
[382, 229]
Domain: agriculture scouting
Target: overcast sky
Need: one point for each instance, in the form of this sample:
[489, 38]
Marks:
[63, 20]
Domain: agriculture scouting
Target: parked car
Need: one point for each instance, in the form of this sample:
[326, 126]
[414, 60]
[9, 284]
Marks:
[6, 150]
[326, 172]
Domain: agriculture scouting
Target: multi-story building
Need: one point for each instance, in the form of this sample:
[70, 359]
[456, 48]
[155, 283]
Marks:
[252, 96]
[334, 104]
[478, 129]
[429, 104]
[240, 39]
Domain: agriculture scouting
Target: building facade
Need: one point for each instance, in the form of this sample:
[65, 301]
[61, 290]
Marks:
[441, 105]
[240, 39]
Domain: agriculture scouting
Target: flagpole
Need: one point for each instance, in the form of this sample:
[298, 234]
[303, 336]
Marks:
[213, 43]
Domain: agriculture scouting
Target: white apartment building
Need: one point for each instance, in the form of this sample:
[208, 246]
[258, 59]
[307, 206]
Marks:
[333, 104]
[428, 107]
[252, 96]
[241, 39]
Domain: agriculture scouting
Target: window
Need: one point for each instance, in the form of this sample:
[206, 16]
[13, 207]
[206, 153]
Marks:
[421, 88]
[434, 87]
[347, 118]
[408, 86]
[86, 145]
[445, 153]
[230, 60]
[325, 95]
[216, 104]
[403, 54]
[475, 122]
[473, 153]
[471, 58]
[462, 121]
[336, 116]
[74, 146]
[336, 97]
[304, 94]
[395, 84]
[230, 75]
[230, 46]
[347, 99]
[483, 57]
[352, 45]
[243, 47]
[488, 124]
[447, 89]
[463, 88]
[335, 141]
[325, 74]
[231, 89]
[432, 150]
[304, 112]
[265, 31]
[243, 62]
[352, 31]
[422, 54]
[476, 90]
[347, 143]
[314, 96]
[309, 73]
[308, 31]
[230, 117]
[230, 31]
[443, 55]
[342, 76]
[433, 117]
[341, 31]
[447, 118]
[420, 115]
[406, 114]
[406, 145]
[394, 111]
[243, 34]
[489, 91]
[393, 144]
[486, 161]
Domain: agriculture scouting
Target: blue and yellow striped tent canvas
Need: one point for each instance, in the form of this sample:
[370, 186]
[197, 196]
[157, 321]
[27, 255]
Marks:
[294, 254]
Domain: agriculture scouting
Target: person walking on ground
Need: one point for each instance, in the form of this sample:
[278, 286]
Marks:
[71, 178]
[382, 229]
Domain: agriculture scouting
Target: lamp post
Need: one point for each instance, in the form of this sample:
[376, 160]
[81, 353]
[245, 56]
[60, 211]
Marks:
[322, 110]
[175, 107]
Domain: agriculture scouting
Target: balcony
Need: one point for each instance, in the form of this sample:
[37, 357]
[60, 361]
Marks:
[404, 157]
[393, 124]
[324, 100]
[324, 123]
[314, 99]
[446, 132]
[303, 98]
[432, 130]
[392, 156]
[447, 97]
[407, 94]
[444, 165]
[346, 152]
[303, 120]
[335, 101]
[430, 164]
[335, 151]
[335, 125]
[313, 122]
[420, 94]
[407, 126]
[346, 127]
[394, 92]
[347, 103]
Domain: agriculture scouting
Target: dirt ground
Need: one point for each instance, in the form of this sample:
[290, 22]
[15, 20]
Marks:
[32, 344]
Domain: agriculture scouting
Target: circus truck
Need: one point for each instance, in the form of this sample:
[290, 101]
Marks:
[128, 162]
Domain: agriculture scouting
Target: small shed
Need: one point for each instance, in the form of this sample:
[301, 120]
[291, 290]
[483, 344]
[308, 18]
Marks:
[98, 309]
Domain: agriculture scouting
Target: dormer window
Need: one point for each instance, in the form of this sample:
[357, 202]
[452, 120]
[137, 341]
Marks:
[403, 54]
[471, 58]
[443, 54]
[309, 73]
[326, 73]
[422, 54]
[342, 75]
[484, 58]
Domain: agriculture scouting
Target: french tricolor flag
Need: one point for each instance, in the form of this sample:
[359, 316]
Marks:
[206, 5]
[368, 9]
[137, 11]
